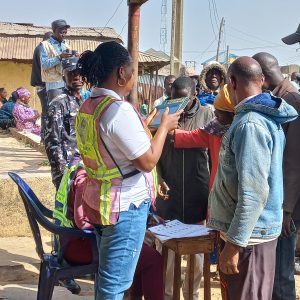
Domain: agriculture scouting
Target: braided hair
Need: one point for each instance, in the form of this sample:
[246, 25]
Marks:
[96, 66]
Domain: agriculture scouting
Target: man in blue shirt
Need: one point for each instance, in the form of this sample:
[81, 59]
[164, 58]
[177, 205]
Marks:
[53, 50]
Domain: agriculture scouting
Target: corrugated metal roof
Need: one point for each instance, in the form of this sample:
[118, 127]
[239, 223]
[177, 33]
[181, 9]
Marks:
[146, 57]
[21, 48]
[13, 29]
[17, 42]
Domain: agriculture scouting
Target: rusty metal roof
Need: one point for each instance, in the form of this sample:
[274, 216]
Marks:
[29, 30]
[17, 42]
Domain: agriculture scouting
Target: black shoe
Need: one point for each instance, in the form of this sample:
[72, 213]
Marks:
[71, 285]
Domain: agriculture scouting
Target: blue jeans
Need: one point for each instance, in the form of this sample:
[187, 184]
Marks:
[119, 248]
[284, 281]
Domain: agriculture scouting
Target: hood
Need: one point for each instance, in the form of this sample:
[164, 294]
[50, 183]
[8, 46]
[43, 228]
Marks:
[210, 66]
[267, 104]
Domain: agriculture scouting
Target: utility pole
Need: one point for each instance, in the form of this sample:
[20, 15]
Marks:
[133, 41]
[163, 26]
[220, 38]
[176, 37]
[227, 57]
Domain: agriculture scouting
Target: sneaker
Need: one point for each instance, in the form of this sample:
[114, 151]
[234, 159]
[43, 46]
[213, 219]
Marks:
[71, 285]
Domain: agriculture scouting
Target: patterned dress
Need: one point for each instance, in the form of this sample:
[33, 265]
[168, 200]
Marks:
[25, 118]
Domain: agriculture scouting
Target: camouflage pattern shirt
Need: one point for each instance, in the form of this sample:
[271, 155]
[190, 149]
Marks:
[60, 137]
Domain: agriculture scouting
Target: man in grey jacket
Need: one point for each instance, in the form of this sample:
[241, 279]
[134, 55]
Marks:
[246, 199]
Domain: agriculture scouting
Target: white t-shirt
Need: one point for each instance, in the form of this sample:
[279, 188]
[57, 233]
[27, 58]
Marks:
[126, 139]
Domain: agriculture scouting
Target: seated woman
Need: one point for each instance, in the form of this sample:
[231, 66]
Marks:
[3, 95]
[25, 117]
[69, 213]
[6, 112]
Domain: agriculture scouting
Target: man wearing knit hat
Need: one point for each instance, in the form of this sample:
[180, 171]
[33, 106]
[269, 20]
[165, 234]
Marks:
[53, 51]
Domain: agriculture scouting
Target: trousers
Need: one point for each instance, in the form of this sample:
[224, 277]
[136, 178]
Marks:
[119, 247]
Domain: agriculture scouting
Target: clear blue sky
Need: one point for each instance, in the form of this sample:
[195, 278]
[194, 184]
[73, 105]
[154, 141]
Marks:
[251, 26]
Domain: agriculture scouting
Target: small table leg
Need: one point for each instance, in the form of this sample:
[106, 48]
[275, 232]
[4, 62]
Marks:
[177, 277]
[165, 262]
[191, 276]
[206, 274]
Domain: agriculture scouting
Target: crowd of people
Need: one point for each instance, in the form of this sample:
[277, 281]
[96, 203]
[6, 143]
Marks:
[228, 160]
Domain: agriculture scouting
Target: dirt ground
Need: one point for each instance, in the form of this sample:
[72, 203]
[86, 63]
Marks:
[19, 273]
[18, 261]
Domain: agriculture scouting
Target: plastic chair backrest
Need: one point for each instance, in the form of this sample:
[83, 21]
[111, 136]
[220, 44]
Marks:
[25, 192]
[34, 209]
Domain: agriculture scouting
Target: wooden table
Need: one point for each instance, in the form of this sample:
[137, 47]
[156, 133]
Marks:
[190, 246]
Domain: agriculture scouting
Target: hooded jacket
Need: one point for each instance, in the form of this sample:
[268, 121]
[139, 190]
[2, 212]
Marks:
[247, 195]
[208, 67]
[208, 96]
[186, 172]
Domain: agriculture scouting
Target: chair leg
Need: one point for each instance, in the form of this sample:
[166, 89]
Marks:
[46, 282]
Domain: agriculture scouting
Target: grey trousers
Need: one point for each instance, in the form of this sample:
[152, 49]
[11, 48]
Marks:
[256, 274]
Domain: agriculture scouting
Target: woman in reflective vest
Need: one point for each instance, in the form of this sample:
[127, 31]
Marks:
[118, 156]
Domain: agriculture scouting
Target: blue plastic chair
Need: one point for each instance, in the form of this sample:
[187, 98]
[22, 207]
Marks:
[51, 268]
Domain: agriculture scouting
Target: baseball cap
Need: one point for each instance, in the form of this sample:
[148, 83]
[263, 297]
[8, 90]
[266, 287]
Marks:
[69, 63]
[292, 38]
[59, 24]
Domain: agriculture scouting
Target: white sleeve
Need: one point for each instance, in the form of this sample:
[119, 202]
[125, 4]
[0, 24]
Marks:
[126, 130]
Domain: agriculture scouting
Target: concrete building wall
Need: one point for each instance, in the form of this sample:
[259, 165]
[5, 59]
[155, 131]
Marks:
[15, 74]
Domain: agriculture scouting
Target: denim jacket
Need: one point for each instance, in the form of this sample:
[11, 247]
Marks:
[246, 199]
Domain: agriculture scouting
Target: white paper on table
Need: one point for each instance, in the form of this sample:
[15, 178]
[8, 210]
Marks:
[176, 229]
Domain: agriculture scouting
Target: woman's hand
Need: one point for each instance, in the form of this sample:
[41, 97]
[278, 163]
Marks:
[170, 122]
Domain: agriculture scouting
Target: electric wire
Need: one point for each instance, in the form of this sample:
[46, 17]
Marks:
[114, 13]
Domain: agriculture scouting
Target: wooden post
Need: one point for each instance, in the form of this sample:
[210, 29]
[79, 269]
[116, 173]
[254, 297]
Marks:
[176, 37]
[156, 82]
[133, 41]
[150, 86]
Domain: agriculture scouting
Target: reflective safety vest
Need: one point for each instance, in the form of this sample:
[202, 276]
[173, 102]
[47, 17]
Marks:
[101, 197]
[60, 213]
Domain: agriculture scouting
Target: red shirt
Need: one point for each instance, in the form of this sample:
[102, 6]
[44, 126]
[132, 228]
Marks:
[199, 138]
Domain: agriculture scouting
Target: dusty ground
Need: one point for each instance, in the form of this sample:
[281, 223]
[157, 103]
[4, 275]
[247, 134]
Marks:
[31, 166]
[19, 273]
[18, 261]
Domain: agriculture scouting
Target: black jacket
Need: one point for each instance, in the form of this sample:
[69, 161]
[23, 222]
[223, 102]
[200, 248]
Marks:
[291, 161]
[36, 77]
[186, 172]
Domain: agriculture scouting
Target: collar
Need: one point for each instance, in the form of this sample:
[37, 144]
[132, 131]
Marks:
[68, 92]
[55, 41]
[96, 92]
[283, 88]
[244, 101]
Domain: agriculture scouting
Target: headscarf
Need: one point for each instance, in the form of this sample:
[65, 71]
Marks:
[22, 93]
[223, 102]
